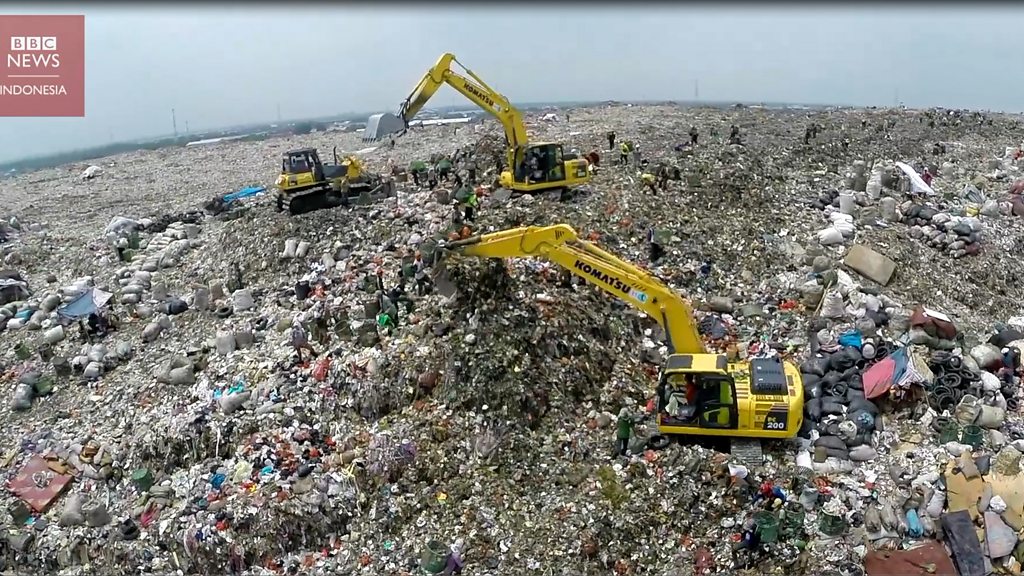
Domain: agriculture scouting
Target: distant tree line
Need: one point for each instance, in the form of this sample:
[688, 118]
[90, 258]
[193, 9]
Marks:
[85, 154]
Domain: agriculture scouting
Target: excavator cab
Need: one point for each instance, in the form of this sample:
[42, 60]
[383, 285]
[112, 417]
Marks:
[544, 166]
[709, 391]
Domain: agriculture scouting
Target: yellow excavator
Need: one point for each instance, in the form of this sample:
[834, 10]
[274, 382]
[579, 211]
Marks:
[306, 183]
[753, 399]
[528, 167]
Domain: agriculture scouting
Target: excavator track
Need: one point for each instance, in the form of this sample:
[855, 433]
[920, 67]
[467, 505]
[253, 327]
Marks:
[747, 451]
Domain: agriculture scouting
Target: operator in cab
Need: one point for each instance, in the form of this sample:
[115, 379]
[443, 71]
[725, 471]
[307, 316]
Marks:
[682, 396]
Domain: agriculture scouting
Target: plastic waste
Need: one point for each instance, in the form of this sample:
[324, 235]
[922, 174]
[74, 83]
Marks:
[809, 498]
[830, 236]
[914, 528]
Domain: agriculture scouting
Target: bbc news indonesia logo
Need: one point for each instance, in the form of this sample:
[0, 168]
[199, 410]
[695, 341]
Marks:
[43, 60]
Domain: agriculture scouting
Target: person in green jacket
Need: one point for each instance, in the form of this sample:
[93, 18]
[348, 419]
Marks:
[444, 169]
[467, 197]
[418, 170]
[624, 430]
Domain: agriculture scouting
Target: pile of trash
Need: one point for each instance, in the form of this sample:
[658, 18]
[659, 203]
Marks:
[211, 386]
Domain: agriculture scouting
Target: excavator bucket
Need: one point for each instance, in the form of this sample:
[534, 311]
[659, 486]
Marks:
[443, 282]
[440, 275]
[381, 125]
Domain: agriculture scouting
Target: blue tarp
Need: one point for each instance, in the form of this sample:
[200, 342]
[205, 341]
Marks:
[243, 193]
[91, 300]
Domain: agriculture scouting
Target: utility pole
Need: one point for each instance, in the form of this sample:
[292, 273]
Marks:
[174, 122]
[186, 127]
[696, 90]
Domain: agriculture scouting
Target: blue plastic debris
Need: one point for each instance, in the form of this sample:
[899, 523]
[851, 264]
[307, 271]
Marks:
[243, 193]
[852, 338]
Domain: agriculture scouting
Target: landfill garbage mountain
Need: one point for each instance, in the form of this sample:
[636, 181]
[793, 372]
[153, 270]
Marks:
[238, 391]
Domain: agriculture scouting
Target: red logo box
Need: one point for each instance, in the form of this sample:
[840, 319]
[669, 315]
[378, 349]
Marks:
[42, 65]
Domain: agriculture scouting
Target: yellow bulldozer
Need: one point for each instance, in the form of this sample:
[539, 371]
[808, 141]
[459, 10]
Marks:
[306, 183]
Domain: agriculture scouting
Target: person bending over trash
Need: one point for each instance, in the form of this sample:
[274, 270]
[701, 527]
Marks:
[466, 197]
[453, 563]
[300, 340]
[650, 182]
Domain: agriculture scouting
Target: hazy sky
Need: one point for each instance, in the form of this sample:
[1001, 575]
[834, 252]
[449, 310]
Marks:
[220, 66]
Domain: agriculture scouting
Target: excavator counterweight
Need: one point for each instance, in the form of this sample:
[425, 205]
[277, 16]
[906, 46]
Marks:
[698, 393]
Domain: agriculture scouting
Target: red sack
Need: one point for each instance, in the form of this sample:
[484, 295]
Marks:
[322, 369]
[934, 323]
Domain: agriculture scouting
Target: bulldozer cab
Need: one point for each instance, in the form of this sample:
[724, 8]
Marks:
[696, 391]
[541, 163]
[302, 161]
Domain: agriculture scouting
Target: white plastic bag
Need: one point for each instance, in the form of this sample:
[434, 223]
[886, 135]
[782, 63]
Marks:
[845, 228]
[830, 236]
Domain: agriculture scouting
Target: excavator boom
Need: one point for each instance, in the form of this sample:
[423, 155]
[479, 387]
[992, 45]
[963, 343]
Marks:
[561, 245]
[472, 87]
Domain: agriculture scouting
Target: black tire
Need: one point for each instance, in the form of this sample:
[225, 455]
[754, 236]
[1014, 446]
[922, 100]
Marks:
[658, 442]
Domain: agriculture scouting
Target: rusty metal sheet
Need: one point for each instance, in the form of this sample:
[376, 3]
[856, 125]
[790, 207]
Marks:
[39, 485]
[913, 562]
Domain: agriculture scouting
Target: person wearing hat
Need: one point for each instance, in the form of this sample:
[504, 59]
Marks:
[466, 197]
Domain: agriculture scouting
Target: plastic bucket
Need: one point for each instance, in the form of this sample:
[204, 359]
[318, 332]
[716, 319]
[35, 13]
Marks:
[22, 352]
[767, 526]
[793, 520]
[433, 558]
[143, 479]
[847, 203]
[831, 525]
[973, 436]
[950, 432]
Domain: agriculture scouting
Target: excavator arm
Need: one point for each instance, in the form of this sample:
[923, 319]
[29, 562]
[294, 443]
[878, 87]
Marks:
[477, 91]
[561, 245]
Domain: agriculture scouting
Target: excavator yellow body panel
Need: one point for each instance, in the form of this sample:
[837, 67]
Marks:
[759, 398]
